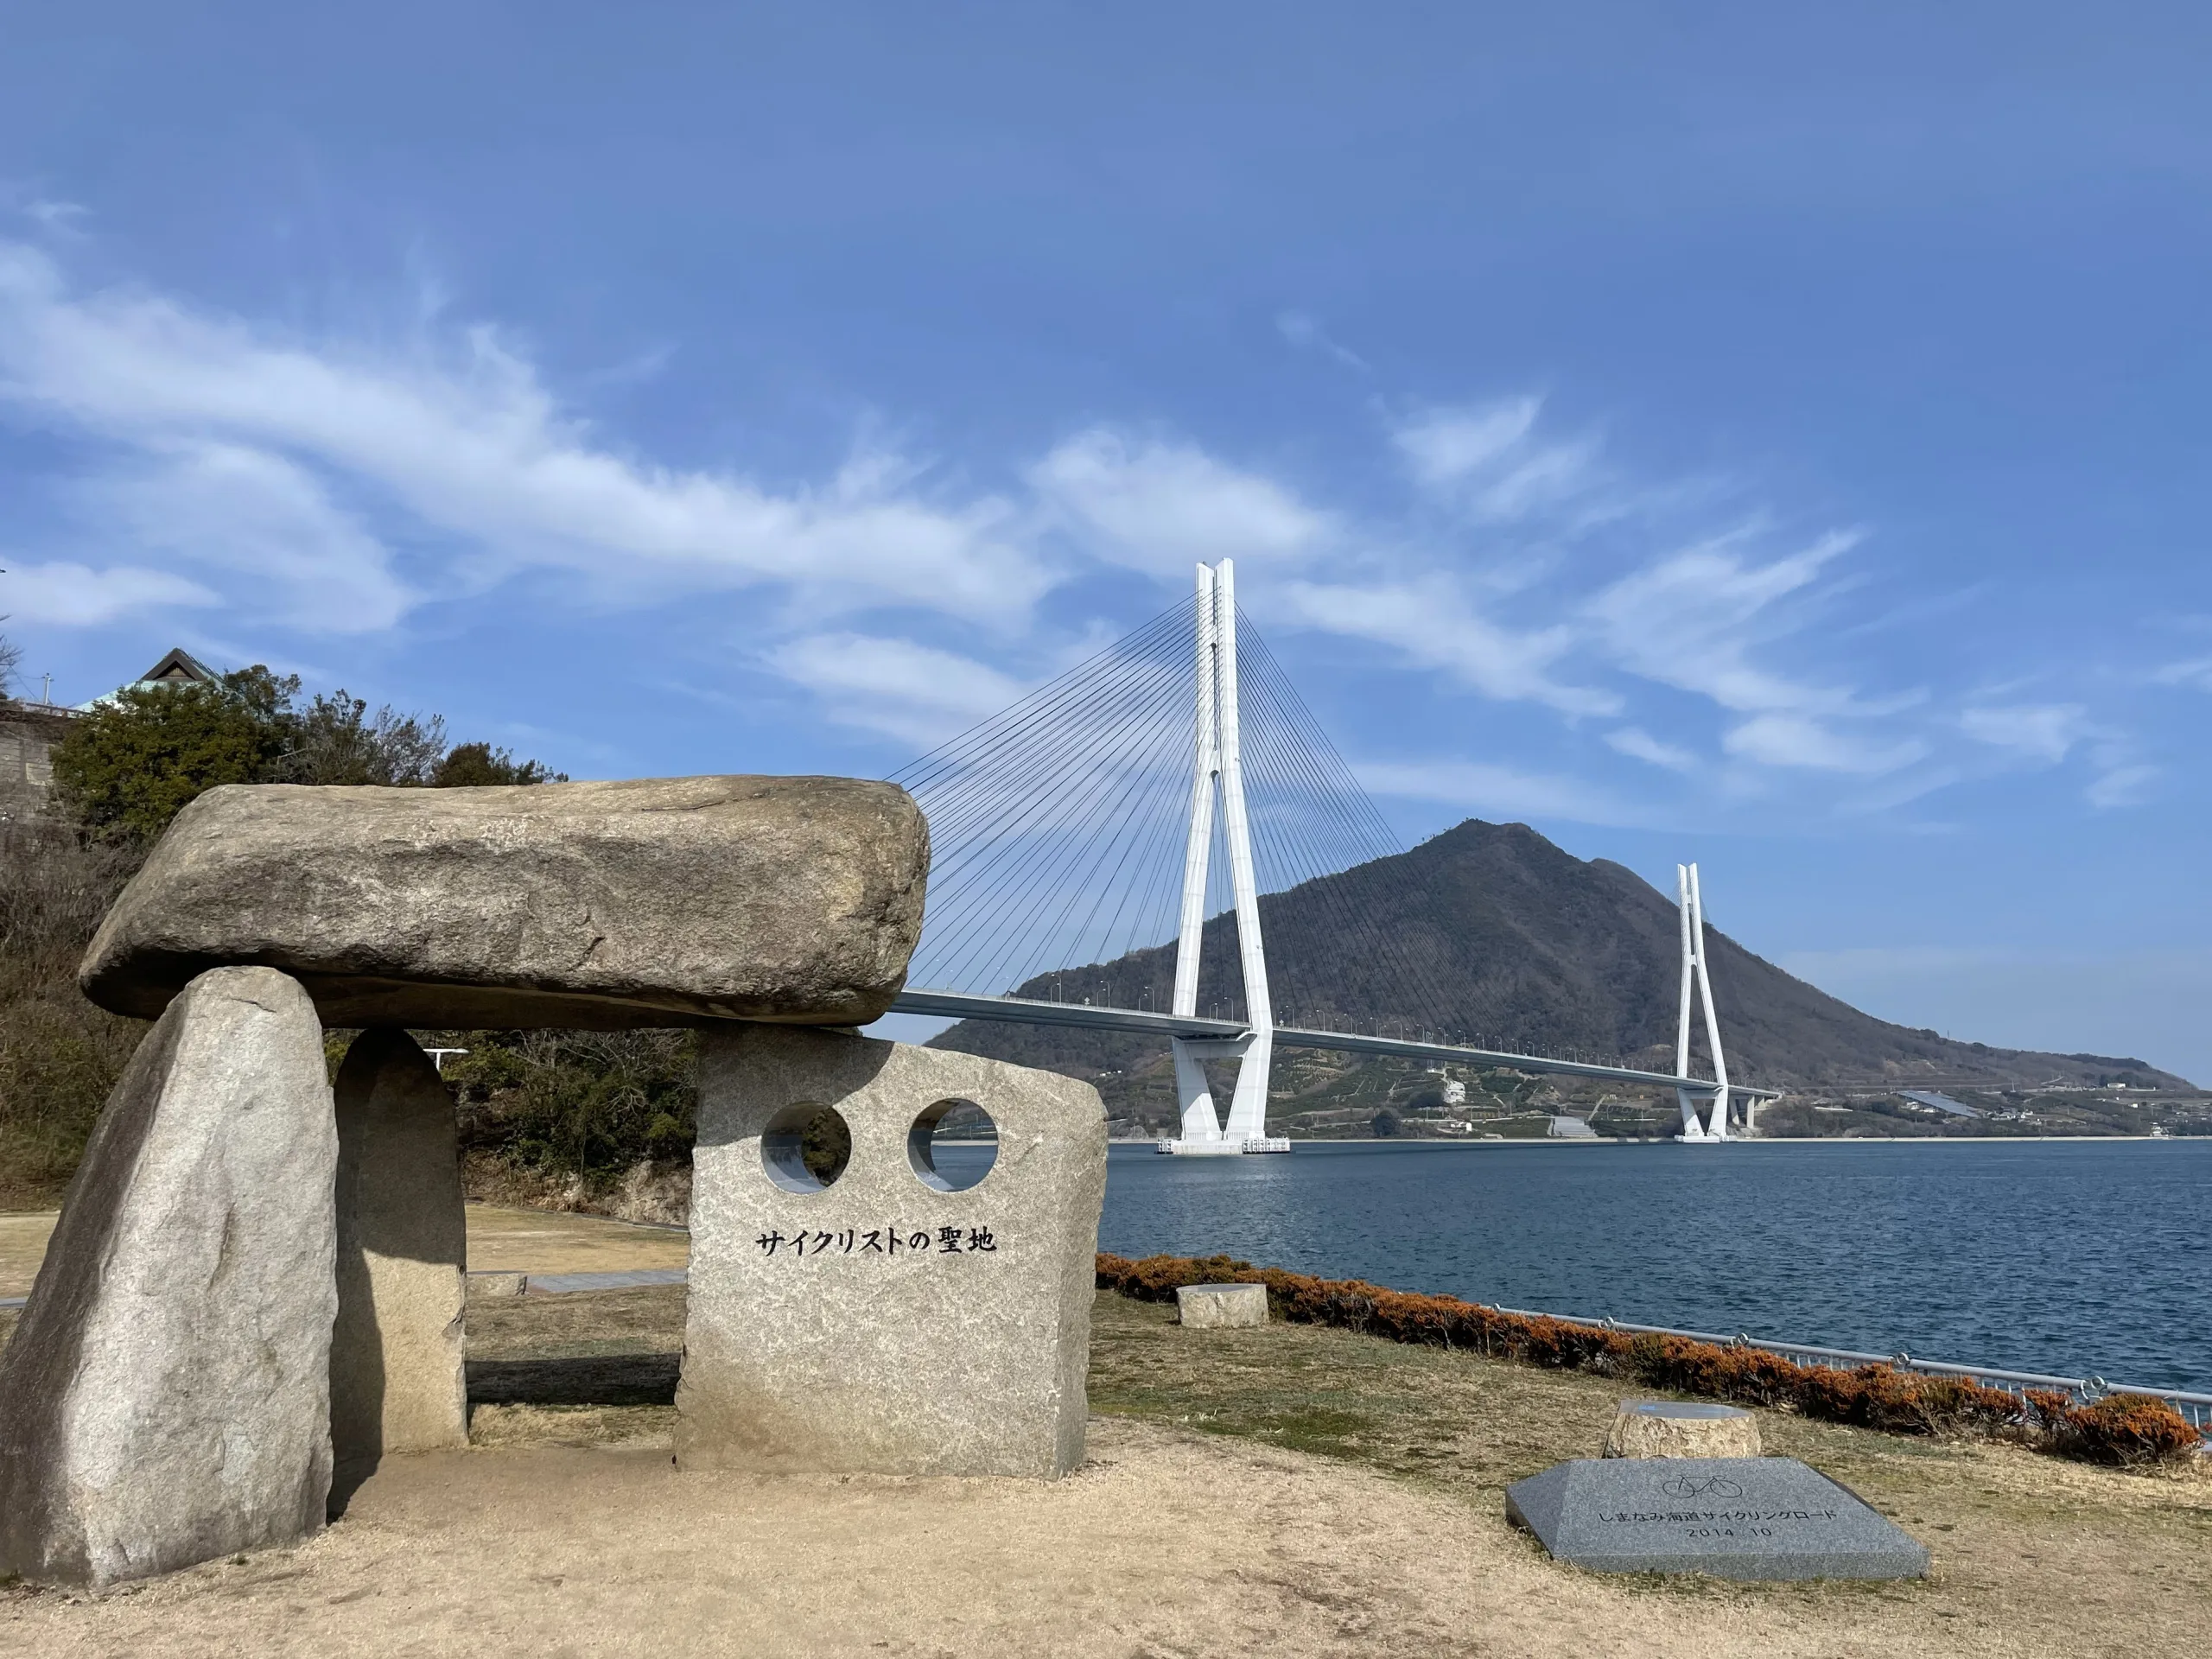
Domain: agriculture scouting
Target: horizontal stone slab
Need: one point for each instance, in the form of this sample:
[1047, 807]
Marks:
[1746, 1518]
[599, 905]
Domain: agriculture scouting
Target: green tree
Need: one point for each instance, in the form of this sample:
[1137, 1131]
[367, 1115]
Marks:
[577, 1102]
[142, 755]
[334, 740]
[475, 765]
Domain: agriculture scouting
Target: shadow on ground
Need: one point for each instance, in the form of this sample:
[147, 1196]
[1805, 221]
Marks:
[575, 1380]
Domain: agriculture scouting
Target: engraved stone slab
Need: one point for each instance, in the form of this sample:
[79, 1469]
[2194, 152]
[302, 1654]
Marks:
[397, 1382]
[166, 1398]
[664, 901]
[885, 1322]
[1682, 1428]
[1216, 1306]
[1749, 1518]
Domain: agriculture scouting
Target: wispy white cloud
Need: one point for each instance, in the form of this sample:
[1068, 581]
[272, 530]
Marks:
[1639, 745]
[2126, 784]
[461, 439]
[1783, 740]
[1489, 459]
[1703, 620]
[333, 485]
[2196, 673]
[913, 692]
[1161, 507]
[2044, 731]
[55, 215]
[1304, 330]
[1429, 622]
[70, 595]
[212, 506]
[2051, 733]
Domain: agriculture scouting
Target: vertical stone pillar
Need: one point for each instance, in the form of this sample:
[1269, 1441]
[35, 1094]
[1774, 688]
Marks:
[882, 1320]
[166, 1397]
[397, 1382]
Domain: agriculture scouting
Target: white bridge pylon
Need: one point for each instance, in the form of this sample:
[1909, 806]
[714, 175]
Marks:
[1032, 820]
[1696, 979]
[1218, 773]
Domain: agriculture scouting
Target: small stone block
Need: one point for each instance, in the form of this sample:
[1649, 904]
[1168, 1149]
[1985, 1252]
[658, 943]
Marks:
[885, 1322]
[166, 1399]
[1745, 1518]
[1212, 1307]
[497, 1284]
[1677, 1428]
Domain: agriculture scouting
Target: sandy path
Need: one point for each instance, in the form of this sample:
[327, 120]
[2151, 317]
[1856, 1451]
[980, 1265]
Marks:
[23, 1247]
[1167, 1544]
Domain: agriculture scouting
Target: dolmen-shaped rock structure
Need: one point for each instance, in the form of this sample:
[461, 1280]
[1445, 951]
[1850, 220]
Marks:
[256, 1280]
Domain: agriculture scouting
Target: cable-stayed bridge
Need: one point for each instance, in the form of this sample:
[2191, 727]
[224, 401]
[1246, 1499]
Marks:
[1168, 782]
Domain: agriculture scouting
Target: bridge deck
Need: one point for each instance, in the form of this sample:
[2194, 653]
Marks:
[960, 1005]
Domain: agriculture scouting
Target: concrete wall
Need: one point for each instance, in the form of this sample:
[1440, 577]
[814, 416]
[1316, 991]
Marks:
[27, 731]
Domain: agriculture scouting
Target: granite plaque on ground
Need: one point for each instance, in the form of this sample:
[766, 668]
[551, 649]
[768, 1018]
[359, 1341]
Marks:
[1732, 1517]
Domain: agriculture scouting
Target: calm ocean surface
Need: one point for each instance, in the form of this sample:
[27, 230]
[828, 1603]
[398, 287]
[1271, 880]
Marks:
[2088, 1258]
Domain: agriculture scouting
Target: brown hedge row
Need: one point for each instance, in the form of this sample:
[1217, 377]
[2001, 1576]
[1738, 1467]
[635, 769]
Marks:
[2120, 1429]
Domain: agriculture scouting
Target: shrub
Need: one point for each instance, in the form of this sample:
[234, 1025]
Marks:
[59, 1055]
[475, 765]
[2122, 1429]
[593, 1105]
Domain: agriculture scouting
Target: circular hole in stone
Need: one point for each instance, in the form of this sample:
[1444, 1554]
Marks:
[806, 1147]
[952, 1145]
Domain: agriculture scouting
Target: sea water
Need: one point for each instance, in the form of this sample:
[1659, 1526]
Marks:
[2073, 1258]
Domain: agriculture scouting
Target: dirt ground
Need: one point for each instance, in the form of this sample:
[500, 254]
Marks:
[23, 1247]
[501, 1240]
[1283, 1491]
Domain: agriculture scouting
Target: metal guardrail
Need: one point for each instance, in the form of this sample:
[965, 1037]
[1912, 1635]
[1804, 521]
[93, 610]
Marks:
[2197, 1408]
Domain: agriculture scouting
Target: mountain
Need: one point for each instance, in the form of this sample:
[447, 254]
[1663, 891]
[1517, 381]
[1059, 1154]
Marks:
[1490, 933]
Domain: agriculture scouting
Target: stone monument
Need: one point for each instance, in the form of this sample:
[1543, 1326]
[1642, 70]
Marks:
[1748, 1518]
[879, 1320]
[249, 1272]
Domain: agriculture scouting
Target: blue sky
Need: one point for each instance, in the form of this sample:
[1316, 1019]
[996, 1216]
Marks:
[1772, 438]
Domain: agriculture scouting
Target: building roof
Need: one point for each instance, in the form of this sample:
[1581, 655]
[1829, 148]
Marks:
[180, 666]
